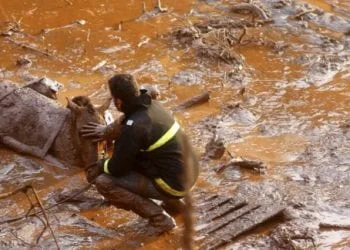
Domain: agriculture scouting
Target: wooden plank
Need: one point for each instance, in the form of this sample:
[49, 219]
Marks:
[225, 208]
[212, 204]
[225, 220]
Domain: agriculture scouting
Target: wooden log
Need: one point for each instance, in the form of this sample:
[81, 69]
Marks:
[196, 100]
[331, 225]
[254, 165]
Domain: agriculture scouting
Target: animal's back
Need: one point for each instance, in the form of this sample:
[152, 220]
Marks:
[30, 117]
[7, 88]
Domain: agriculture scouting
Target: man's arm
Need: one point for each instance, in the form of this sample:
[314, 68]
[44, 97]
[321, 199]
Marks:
[125, 150]
[102, 132]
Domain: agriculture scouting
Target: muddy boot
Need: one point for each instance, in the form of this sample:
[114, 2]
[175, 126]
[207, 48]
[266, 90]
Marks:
[162, 222]
[173, 206]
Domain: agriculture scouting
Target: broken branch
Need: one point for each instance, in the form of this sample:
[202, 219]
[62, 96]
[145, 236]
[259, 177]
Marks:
[29, 47]
[24, 190]
[300, 15]
[45, 215]
[242, 35]
[255, 10]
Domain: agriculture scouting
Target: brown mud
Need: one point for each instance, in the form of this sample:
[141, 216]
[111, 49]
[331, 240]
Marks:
[278, 75]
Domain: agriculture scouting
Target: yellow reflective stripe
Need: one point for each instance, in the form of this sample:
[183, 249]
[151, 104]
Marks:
[163, 185]
[105, 167]
[165, 138]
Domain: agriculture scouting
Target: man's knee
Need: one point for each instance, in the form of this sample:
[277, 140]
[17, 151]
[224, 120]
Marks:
[112, 191]
[104, 184]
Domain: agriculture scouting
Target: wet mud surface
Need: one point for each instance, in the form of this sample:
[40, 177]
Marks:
[275, 129]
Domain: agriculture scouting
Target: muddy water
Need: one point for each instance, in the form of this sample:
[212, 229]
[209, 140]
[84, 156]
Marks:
[295, 79]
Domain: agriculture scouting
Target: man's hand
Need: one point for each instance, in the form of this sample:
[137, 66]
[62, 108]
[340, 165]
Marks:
[94, 171]
[95, 130]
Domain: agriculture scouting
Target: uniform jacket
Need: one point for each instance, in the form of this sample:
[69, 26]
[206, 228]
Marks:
[145, 122]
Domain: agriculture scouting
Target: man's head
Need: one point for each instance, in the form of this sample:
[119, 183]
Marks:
[124, 89]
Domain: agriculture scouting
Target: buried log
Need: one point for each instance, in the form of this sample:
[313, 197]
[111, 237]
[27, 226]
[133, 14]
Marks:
[24, 190]
[196, 100]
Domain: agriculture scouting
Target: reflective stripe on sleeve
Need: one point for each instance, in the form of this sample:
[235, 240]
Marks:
[105, 166]
[165, 138]
[163, 185]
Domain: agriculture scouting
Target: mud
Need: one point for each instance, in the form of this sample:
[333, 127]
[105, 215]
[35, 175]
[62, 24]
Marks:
[277, 73]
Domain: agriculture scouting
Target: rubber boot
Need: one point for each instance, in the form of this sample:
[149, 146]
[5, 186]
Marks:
[146, 208]
[173, 206]
[162, 222]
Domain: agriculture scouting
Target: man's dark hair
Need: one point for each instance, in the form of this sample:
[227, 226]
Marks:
[124, 87]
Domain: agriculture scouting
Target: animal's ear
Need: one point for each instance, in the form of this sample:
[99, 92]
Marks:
[101, 109]
[72, 106]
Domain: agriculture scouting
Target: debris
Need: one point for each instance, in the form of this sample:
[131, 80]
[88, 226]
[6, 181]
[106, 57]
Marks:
[215, 148]
[255, 10]
[115, 48]
[196, 100]
[144, 40]
[243, 163]
[88, 35]
[241, 91]
[222, 219]
[143, 7]
[72, 25]
[99, 65]
[300, 15]
[160, 8]
[81, 22]
[242, 35]
[24, 61]
[334, 225]
[25, 190]
[30, 47]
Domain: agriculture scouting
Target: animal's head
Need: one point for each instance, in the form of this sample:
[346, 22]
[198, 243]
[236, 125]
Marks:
[152, 90]
[83, 112]
[46, 87]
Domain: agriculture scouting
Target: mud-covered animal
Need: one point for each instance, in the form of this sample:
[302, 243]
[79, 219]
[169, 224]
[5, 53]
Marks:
[45, 86]
[36, 125]
[152, 90]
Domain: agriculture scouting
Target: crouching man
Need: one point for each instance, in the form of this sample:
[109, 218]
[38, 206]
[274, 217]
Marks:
[149, 157]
